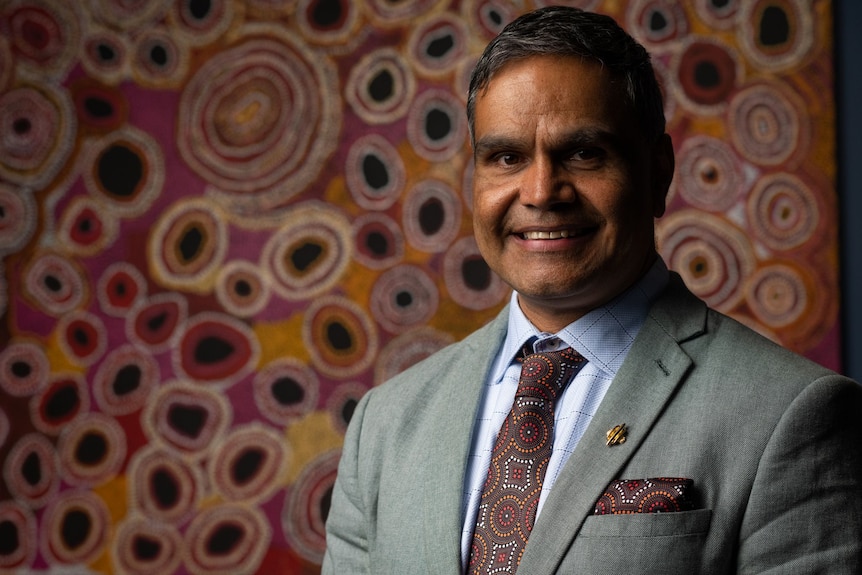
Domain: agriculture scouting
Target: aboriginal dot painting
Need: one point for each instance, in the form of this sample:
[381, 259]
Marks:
[221, 222]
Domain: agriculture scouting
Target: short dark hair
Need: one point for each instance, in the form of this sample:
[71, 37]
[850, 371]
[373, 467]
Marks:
[566, 31]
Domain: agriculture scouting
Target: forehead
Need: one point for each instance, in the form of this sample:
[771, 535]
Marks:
[544, 86]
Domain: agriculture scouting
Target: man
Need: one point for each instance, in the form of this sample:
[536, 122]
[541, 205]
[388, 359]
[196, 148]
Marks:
[753, 454]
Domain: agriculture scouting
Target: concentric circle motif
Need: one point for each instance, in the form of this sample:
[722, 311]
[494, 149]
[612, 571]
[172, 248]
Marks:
[309, 254]
[62, 401]
[784, 294]
[658, 502]
[461, 81]
[328, 22]
[381, 86]
[478, 551]
[159, 61]
[408, 349]
[17, 219]
[712, 255]
[75, 528]
[44, 36]
[125, 380]
[778, 295]
[249, 465]
[342, 403]
[437, 44]
[766, 124]
[86, 229]
[141, 545]
[286, 390]
[200, 23]
[307, 506]
[783, 211]
[374, 172]
[666, 86]
[188, 418]
[228, 538]
[82, 337]
[92, 450]
[709, 174]
[54, 284]
[403, 297]
[120, 287]
[530, 433]
[155, 322]
[656, 21]
[216, 349]
[18, 525]
[163, 486]
[718, 14]
[241, 289]
[505, 516]
[776, 34]
[37, 132]
[470, 281]
[188, 244]
[105, 55]
[24, 368]
[707, 72]
[129, 14]
[379, 241]
[340, 336]
[30, 470]
[488, 17]
[431, 216]
[126, 169]
[259, 120]
[435, 127]
[387, 13]
[467, 184]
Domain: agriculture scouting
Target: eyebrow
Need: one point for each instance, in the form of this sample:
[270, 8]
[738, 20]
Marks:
[580, 137]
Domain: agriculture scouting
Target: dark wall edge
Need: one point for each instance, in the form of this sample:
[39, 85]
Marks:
[848, 96]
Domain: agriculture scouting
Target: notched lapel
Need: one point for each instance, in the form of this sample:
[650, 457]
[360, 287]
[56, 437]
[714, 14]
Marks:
[655, 367]
[458, 393]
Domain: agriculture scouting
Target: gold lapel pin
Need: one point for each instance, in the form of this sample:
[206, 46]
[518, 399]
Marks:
[617, 435]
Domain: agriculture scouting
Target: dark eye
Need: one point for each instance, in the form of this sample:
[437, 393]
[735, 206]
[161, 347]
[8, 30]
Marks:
[507, 159]
[586, 154]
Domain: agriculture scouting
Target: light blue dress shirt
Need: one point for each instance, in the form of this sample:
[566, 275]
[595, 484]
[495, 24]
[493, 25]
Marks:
[603, 336]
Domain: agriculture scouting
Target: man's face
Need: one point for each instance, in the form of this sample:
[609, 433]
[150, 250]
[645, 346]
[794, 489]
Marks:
[565, 187]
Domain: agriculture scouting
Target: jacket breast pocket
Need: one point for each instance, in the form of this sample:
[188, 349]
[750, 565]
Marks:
[666, 543]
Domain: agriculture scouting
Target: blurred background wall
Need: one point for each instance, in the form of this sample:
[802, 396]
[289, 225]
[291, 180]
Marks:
[221, 222]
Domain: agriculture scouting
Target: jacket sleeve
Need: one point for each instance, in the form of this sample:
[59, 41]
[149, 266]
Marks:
[347, 526]
[804, 513]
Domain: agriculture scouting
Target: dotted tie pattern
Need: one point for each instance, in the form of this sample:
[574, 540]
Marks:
[510, 496]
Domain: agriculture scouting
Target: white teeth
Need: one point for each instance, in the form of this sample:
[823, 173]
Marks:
[547, 235]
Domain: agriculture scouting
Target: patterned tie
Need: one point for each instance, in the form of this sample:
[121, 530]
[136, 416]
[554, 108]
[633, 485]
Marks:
[510, 496]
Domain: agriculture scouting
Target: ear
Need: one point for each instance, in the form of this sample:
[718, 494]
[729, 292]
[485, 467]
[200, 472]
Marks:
[662, 172]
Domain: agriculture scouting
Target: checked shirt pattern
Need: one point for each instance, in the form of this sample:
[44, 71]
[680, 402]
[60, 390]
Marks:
[510, 496]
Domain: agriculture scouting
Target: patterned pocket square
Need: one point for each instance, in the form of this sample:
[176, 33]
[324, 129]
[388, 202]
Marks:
[655, 495]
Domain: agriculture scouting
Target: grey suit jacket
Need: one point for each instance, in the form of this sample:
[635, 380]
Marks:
[772, 441]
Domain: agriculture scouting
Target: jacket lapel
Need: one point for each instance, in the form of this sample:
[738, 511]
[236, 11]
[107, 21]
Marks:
[653, 369]
[460, 390]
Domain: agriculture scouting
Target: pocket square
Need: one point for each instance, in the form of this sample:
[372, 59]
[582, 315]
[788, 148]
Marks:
[654, 495]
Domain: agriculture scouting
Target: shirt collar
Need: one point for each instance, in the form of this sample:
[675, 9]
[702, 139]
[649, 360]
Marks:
[603, 336]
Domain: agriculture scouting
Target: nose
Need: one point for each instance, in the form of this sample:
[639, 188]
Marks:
[544, 185]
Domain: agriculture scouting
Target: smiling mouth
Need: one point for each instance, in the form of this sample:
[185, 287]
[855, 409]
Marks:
[551, 235]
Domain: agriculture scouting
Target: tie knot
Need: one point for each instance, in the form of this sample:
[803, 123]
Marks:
[545, 374]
